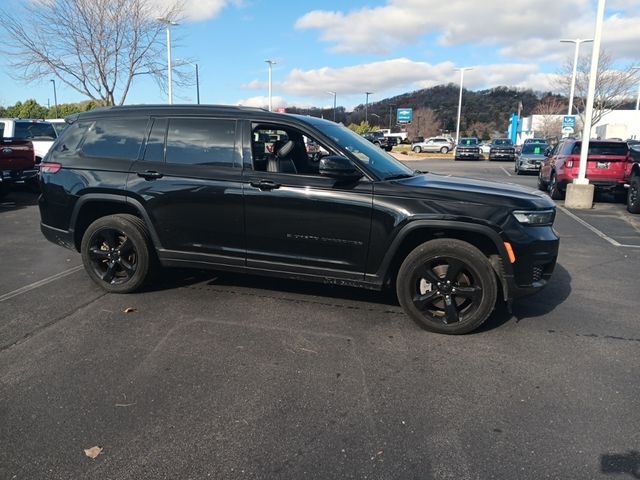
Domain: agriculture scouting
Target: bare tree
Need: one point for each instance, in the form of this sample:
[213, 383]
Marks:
[425, 124]
[613, 86]
[550, 124]
[96, 47]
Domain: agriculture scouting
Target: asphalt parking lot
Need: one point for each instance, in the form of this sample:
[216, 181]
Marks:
[223, 376]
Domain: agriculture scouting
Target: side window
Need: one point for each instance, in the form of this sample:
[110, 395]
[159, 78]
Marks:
[569, 147]
[154, 152]
[201, 141]
[1, 129]
[115, 138]
[282, 149]
[70, 139]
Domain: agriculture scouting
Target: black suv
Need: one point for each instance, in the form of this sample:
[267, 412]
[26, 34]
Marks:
[135, 187]
[378, 138]
[467, 149]
[502, 149]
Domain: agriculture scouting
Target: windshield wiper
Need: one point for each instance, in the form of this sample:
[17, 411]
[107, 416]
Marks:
[398, 176]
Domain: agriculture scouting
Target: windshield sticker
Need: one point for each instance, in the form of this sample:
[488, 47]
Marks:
[536, 150]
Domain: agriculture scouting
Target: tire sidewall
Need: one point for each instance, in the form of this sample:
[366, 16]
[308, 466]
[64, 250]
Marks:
[140, 244]
[634, 183]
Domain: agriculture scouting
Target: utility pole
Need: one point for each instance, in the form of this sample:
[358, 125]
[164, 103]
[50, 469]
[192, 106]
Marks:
[366, 106]
[271, 63]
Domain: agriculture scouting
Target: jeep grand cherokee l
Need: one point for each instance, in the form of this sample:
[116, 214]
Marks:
[194, 186]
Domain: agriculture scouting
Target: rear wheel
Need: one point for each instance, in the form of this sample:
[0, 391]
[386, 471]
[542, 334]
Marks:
[633, 195]
[417, 149]
[554, 191]
[116, 252]
[447, 286]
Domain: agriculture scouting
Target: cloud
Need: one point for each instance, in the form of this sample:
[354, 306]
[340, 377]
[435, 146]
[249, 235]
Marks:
[197, 10]
[521, 29]
[390, 77]
[263, 102]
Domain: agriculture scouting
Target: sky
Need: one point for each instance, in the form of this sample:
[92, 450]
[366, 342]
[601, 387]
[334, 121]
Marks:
[387, 47]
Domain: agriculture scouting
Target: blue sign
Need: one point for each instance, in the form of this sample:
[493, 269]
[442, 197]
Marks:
[404, 115]
[569, 123]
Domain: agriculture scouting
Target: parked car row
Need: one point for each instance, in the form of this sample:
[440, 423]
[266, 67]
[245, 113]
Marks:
[382, 141]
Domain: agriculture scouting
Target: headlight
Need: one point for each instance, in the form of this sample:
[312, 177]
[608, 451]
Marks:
[535, 217]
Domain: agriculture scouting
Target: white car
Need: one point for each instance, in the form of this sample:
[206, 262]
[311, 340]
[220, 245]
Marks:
[435, 144]
[41, 133]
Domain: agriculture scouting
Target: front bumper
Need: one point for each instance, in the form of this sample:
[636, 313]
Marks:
[502, 156]
[529, 166]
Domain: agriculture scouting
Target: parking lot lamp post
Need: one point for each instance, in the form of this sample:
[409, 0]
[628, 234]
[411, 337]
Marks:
[334, 104]
[638, 98]
[366, 106]
[271, 63]
[55, 97]
[577, 41]
[390, 113]
[168, 23]
[462, 70]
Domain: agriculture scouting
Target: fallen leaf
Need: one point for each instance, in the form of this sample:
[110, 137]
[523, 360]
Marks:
[93, 452]
[129, 310]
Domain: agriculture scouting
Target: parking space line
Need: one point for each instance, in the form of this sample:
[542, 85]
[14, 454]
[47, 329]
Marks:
[599, 233]
[39, 283]
[505, 171]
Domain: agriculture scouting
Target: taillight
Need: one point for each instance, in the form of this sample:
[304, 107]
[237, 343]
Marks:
[50, 167]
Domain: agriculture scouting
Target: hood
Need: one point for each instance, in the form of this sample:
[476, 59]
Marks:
[445, 188]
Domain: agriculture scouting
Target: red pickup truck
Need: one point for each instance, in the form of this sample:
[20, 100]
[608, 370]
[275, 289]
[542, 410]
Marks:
[17, 162]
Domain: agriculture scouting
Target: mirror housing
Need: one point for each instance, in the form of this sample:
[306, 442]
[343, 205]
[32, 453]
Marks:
[547, 152]
[340, 168]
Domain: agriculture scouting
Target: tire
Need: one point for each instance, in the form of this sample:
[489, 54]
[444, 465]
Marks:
[554, 192]
[633, 195]
[117, 253]
[444, 150]
[430, 292]
[417, 149]
[542, 185]
[388, 149]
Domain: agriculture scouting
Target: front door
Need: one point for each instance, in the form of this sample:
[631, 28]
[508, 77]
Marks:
[295, 219]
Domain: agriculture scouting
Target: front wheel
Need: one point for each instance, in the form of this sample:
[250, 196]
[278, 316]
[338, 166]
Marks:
[444, 150]
[447, 286]
[116, 253]
[633, 195]
[417, 149]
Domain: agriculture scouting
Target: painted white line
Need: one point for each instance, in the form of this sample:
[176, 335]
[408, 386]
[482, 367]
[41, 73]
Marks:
[602, 235]
[505, 171]
[39, 283]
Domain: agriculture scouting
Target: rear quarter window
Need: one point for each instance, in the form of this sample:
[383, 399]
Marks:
[34, 131]
[119, 138]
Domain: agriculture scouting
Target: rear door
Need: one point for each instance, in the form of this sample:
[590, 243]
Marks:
[607, 161]
[189, 182]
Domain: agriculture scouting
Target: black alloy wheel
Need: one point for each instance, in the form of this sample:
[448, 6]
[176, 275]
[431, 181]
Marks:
[116, 254]
[447, 286]
[633, 195]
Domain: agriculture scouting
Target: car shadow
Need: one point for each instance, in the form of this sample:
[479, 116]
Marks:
[618, 463]
[17, 198]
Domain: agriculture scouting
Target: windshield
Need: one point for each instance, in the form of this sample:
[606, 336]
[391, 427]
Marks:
[34, 131]
[375, 159]
[534, 148]
[468, 141]
[502, 141]
[603, 148]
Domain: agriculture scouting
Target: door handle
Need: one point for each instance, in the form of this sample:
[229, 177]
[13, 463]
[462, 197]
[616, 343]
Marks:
[265, 184]
[150, 174]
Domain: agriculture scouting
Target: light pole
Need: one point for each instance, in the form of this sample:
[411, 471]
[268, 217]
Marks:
[366, 106]
[638, 99]
[462, 70]
[271, 63]
[577, 41]
[197, 80]
[390, 112]
[168, 23]
[55, 96]
[334, 104]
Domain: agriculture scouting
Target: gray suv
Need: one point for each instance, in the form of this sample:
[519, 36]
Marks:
[435, 144]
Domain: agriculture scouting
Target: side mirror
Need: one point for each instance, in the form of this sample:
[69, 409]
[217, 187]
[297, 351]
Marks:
[338, 167]
[547, 152]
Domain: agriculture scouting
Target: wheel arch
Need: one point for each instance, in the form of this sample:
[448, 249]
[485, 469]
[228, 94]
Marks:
[90, 207]
[482, 237]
